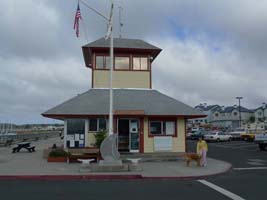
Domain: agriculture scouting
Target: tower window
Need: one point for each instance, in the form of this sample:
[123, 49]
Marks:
[122, 63]
[140, 63]
[102, 62]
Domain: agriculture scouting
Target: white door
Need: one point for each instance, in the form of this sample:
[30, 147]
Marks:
[134, 135]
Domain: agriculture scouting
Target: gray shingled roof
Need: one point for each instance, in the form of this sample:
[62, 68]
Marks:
[96, 102]
[230, 109]
[206, 108]
[122, 43]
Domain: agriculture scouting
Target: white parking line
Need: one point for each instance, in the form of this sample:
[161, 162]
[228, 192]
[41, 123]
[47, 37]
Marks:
[244, 146]
[235, 143]
[249, 168]
[221, 190]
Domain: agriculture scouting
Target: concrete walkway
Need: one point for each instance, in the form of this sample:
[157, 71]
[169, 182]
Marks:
[25, 164]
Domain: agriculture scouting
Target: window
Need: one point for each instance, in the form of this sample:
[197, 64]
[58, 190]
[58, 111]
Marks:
[102, 124]
[156, 128]
[216, 115]
[140, 63]
[75, 126]
[97, 124]
[92, 124]
[102, 62]
[162, 128]
[122, 63]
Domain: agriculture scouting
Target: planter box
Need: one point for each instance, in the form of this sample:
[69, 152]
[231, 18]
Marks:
[57, 159]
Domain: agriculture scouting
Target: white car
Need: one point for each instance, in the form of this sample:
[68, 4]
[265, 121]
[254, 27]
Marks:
[217, 136]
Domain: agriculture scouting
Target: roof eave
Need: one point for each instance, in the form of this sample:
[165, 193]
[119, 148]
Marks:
[64, 116]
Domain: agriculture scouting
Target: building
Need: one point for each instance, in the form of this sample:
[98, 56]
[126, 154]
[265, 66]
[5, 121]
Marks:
[260, 114]
[228, 117]
[144, 119]
[208, 111]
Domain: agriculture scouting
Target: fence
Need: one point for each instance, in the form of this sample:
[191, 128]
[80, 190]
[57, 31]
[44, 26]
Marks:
[9, 139]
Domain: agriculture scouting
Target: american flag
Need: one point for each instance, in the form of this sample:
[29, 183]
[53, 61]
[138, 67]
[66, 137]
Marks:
[76, 20]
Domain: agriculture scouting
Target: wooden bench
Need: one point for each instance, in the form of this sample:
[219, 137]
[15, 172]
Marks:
[83, 153]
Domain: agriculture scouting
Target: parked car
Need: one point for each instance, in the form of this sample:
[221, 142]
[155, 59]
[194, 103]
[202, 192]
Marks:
[261, 140]
[248, 136]
[196, 135]
[217, 136]
[188, 135]
[236, 134]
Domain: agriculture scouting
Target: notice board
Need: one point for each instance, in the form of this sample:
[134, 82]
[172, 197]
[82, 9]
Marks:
[163, 143]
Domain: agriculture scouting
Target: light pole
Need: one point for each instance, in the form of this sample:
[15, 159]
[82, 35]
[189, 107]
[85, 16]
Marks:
[239, 109]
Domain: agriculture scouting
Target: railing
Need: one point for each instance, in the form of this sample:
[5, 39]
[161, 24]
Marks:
[5, 139]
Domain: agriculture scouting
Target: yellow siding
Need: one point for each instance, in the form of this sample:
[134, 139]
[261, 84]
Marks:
[91, 139]
[122, 79]
[178, 143]
[148, 142]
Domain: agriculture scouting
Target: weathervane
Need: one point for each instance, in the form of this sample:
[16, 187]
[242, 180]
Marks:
[120, 20]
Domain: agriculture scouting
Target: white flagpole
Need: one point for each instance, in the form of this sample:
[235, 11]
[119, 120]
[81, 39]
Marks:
[110, 35]
[111, 72]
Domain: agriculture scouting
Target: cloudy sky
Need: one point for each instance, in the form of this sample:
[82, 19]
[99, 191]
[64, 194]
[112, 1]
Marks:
[212, 52]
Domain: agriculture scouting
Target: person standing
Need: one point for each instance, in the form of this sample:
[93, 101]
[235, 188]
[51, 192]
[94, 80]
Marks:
[202, 149]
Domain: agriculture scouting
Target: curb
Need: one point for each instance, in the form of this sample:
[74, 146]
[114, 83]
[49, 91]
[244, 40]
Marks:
[108, 177]
[71, 177]
[187, 177]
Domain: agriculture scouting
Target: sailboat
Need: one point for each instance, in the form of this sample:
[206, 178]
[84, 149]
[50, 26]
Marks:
[2, 130]
[11, 131]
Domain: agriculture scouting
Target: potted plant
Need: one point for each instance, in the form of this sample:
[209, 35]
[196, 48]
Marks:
[99, 137]
[57, 155]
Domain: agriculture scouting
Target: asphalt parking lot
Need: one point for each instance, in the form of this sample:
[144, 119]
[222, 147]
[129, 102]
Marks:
[246, 180]
[240, 154]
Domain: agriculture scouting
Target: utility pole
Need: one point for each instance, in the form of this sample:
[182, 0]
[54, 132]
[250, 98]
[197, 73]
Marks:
[239, 109]
[263, 109]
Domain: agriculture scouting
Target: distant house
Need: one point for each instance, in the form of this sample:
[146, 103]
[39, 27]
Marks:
[207, 110]
[145, 119]
[260, 114]
[228, 117]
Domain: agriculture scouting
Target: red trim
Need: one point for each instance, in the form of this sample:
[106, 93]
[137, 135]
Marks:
[115, 128]
[141, 135]
[150, 81]
[88, 54]
[93, 64]
[92, 78]
[185, 145]
[164, 120]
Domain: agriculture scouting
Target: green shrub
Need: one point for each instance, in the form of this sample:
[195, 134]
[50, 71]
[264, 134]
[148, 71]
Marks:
[58, 153]
[99, 137]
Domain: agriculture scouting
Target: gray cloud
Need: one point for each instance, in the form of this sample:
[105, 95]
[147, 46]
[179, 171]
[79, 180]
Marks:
[212, 51]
